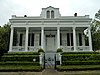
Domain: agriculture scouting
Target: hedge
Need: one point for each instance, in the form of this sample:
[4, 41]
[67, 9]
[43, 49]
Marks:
[20, 58]
[81, 57]
[20, 68]
[78, 68]
[92, 62]
[64, 53]
[22, 53]
[20, 63]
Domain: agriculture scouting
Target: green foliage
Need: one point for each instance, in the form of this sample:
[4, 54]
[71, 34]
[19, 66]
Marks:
[15, 63]
[22, 53]
[40, 50]
[76, 60]
[20, 58]
[95, 29]
[20, 68]
[4, 37]
[20, 61]
[66, 53]
[59, 50]
[80, 57]
[90, 62]
[78, 67]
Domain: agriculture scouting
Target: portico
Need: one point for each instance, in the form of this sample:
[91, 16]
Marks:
[31, 33]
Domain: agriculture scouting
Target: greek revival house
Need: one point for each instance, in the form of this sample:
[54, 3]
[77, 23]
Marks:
[50, 31]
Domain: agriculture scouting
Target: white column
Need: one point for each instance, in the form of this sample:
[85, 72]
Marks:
[42, 37]
[26, 39]
[90, 39]
[11, 39]
[74, 38]
[83, 40]
[58, 37]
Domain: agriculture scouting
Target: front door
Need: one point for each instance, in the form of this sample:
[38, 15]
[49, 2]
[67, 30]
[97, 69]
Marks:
[50, 43]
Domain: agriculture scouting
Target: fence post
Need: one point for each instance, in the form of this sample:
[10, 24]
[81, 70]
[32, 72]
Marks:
[55, 61]
[44, 61]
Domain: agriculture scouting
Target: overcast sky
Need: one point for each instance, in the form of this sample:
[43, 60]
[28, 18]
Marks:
[33, 7]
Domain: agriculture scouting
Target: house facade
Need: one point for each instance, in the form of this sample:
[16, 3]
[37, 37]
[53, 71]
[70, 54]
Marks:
[50, 31]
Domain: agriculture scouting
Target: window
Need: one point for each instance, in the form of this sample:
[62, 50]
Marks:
[29, 36]
[71, 39]
[40, 40]
[60, 39]
[31, 39]
[21, 38]
[52, 14]
[68, 39]
[80, 39]
[48, 14]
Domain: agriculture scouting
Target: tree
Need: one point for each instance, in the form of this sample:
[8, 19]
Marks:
[4, 37]
[95, 29]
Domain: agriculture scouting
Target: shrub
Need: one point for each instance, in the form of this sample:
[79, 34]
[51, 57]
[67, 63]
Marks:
[81, 57]
[20, 58]
[81, 63]
[20, 68]
[22, 53]
[78, 68]
[59, 50]
[19, 63]
[40, 50]
[65, 53]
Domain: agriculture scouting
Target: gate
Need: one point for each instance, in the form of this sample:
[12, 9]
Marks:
[50, 60]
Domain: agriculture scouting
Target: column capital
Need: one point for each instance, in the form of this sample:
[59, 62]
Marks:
[42, 28]
[27, 27]
[74, 27]
[58, 27]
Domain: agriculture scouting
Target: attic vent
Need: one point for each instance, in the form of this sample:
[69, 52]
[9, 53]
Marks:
[75, 14]
[25, 15]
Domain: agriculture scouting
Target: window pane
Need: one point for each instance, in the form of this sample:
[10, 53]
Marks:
[52, 14]
[48, 14]
[68, 39]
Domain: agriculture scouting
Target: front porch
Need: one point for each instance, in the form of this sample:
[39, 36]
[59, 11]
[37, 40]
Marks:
[69, 39]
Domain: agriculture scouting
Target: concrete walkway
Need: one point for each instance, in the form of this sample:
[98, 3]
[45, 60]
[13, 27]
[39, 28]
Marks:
[50, 72]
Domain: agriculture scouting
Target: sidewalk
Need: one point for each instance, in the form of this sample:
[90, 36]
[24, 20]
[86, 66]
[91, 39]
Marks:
[50, 72]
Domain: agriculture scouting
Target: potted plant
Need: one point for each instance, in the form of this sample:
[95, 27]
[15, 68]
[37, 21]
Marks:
[59, 50]
[40, 50]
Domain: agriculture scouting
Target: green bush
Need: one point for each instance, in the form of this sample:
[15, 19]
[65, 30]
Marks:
[80, 63]
[20, 63]
[20, 58]
[22, 53]
[59, 50]
[40, 50]
[66, 53]
[81, 57]
[20, 68]
[78, 67]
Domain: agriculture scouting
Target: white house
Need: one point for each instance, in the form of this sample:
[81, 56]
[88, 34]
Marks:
[50, 31]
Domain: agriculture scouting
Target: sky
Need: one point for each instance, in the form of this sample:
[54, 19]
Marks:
[33, 8]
